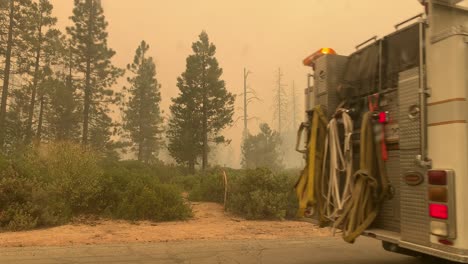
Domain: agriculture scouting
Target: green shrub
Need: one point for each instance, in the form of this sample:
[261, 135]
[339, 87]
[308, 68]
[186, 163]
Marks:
[254, 194]
[133, 192]
[157, 203]
[20, 217]
[186, 182]
[209, 188]
[50, 185]
[261, 194]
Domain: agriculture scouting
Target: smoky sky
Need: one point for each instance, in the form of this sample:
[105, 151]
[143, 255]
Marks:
[261, 35]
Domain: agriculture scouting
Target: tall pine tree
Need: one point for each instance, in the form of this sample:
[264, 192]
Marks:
[11, 12]
[92, 59]
[39, 33]
[203, 109]
[142, 115]
[63, 115]
[184, 133]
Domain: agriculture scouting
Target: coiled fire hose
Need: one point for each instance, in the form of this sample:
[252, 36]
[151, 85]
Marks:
[306, 186]
[371, 186]
[354, 209]
[340, 162]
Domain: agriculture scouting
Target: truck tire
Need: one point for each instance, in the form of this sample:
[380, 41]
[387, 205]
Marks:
[392, 247]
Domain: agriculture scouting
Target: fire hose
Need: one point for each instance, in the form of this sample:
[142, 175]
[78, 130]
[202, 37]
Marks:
[306, 186]
[354, 209]
[371, 186]
[340, 162]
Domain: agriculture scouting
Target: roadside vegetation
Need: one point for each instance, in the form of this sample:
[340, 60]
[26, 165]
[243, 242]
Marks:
[65, 127]
[253, 193]
[50, 185]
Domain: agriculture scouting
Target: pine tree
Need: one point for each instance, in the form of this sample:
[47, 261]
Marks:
[63, 116]
[93, 60]
[203, 109]
[11, 13]
[262, 150]
[59, 116]
[39, 33]
[184, 133]
[142, 115]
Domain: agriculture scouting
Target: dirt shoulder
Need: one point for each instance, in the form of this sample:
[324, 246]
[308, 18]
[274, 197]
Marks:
[209, 223]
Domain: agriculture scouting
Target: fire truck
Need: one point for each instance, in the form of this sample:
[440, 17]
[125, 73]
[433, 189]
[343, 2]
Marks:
[386, 136]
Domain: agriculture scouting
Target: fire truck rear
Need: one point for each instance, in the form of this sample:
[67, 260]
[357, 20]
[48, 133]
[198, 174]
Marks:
[387, 136]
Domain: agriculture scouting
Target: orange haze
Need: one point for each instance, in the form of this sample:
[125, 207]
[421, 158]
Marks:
[261, 35]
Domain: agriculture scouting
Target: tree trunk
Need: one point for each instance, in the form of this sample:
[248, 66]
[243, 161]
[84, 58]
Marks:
[6, 78]
[192, 167]
[41, 118]
[34, 87]
[141, 152]
[205, 120]
[205, 140]
[87, 92]
[67, 127]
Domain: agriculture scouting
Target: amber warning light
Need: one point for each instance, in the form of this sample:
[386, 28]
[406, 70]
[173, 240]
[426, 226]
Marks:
[310, 61]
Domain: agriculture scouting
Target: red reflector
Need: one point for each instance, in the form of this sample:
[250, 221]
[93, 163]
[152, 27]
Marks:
[439, 211]
[437, 177]
[383, 117]
[446, 242]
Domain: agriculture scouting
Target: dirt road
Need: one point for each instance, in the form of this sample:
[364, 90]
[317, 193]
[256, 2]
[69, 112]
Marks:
[209, 223]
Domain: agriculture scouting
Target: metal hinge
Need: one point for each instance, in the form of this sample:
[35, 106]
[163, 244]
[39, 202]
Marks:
[427, 91]
[423, 162]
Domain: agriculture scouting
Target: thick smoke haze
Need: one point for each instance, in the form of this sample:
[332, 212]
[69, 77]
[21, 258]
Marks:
[259, 35]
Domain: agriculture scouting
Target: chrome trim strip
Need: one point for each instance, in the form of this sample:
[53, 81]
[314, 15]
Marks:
[447, 123]
[447, 101]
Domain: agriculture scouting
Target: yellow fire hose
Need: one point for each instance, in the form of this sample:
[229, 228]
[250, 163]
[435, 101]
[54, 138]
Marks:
[307, 185]
[370, 184]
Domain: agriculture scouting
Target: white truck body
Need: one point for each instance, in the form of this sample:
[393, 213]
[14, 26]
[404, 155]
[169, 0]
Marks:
[429, 129]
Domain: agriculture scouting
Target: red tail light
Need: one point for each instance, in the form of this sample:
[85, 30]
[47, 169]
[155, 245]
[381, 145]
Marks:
[442, 209]
[437, 177]
[439, 211]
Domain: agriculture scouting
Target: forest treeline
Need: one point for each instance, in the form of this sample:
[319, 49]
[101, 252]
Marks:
[61, 86]
[61, 145]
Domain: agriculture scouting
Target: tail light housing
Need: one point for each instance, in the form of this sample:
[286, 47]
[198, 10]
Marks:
[437, 177]
[439, 211]
[439, 228]
[441, 199]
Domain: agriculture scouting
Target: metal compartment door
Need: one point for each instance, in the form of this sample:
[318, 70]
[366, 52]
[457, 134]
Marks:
[414, 214]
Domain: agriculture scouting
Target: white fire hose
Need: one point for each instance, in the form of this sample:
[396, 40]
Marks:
[340, 161]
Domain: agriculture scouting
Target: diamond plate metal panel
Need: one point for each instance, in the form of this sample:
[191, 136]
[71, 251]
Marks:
[389, 215]
[414, 216]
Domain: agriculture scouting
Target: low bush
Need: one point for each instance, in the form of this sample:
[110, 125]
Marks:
[133, 192]
[254, 194]
[49, 185]
[260, 194]
[209, 187]
[186, 182]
